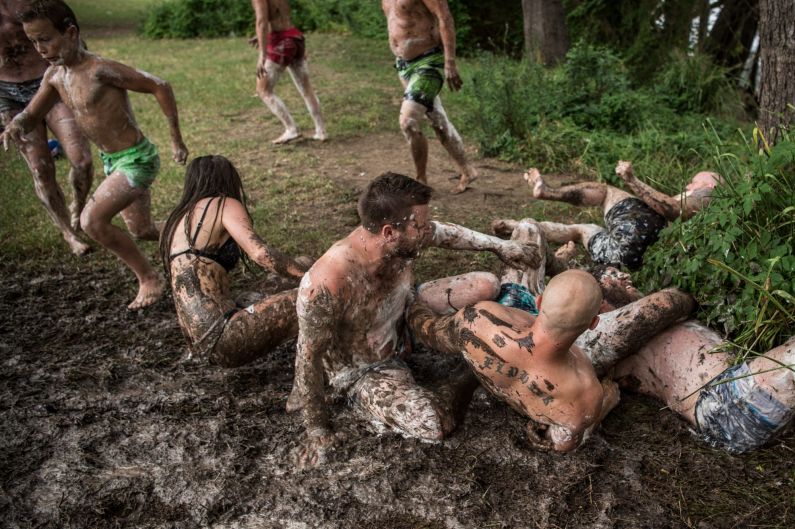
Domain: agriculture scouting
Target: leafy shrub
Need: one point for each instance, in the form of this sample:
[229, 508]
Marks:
[199, 18]
[693, 83]
[736, 254]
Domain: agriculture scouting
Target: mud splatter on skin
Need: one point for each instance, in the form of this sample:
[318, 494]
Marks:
[494, 319]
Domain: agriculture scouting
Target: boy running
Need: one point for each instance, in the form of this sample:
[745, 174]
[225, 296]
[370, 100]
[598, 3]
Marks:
[95, 90]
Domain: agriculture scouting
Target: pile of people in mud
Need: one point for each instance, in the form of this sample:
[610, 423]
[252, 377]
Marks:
[556, 352]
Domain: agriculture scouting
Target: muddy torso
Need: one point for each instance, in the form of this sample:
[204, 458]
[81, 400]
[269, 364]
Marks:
[369, 315]
[201, 287]
[102, 110]
[279, 15]
[413, 30]
[19, 60]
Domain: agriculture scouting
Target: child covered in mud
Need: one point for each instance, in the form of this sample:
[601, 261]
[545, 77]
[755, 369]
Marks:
[632, 223]
[202, 242]
[525, 347]
[95, 90]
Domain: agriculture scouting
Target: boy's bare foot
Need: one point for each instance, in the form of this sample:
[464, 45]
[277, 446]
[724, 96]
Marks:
[624, 170]
[76, 246]
[503, 227]
[567, 251]
[534, 180]
[149, 291]
[320, 135]
[287, 137]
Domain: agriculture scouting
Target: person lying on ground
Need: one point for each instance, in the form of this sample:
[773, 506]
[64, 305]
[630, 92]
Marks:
[21, 72]
[281, 46]
[540, 365]
[737, 408]
[202, 242]
[351, 308]
[422, 38]
[95, 90]
[632, 223]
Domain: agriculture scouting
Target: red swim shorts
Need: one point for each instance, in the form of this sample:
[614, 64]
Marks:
[285, 47]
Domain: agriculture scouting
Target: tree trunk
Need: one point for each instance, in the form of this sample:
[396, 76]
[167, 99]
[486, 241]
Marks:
[777, 47]
[545, 36]
[731, 37]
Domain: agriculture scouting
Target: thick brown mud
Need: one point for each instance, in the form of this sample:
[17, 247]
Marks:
[105, 424]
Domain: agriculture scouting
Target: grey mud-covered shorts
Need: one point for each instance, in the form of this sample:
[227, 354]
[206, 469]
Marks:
[16, 96]
[738, 415]
[631, 226]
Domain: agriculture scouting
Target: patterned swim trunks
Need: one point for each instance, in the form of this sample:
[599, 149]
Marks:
[631, 226]
[424, 76]
[140, 163]
[735, 414]
[517, 296]
[16, 96]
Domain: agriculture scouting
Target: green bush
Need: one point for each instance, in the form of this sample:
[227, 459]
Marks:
[693, 83]
[199, 18]
[736, 254]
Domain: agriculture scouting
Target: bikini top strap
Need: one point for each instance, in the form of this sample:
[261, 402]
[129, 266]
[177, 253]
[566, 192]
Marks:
[192, 240]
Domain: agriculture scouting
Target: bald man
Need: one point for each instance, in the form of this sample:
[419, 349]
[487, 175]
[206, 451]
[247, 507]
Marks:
[532, 363]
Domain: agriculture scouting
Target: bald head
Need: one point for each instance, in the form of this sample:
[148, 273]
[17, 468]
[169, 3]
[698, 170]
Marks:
[570, 302]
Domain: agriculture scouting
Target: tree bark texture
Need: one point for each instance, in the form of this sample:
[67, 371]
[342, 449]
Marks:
[545, 35]
[777, 46]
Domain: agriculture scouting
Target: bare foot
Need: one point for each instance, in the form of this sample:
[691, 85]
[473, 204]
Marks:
[76, 246]
[463, 183]
[534, 180]
[320, 135]
[567, 251]
[503, 227]
[149, 291]
[287, 137]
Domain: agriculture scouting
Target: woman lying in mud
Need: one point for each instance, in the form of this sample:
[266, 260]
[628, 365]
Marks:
[203, 239]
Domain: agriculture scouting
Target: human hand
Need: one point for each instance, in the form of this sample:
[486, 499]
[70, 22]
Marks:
[316, 448]
[180, 152]
[519, 255]
[253, 42]
[624, 171]
[13, 132]
[454, 81]
[261, 66]
[535, 436]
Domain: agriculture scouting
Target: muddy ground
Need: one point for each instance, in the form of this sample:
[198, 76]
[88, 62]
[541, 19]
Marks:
[105, 423]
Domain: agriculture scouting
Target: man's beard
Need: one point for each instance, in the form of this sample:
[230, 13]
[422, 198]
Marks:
[407, 249]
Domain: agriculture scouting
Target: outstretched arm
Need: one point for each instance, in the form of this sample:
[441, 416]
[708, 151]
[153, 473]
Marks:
[667, 206]
[127, 78]
[34, 113]
[237, 222]
[262, 26]
[441, 11]
[513, 253]
[440, 333]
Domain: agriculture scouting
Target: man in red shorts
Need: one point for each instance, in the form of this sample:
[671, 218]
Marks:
[281, 46]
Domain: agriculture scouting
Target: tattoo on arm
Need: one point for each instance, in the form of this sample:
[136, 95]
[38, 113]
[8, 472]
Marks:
[440, 333]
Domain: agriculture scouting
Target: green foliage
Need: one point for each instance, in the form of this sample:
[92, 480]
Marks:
[199, 18]
[693, 83]
[736, 254]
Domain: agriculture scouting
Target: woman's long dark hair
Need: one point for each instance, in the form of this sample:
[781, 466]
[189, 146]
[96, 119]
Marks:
[205, 177]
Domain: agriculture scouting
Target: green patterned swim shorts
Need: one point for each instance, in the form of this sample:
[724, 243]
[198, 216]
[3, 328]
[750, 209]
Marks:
[140, 163]
[424, 75]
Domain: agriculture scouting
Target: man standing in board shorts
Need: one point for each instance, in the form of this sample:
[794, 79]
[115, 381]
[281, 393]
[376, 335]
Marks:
[281, 46]
[422, 37]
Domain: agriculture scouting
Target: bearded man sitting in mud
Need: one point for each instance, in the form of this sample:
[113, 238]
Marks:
[351, 306]
[544, 366]
[632, 223]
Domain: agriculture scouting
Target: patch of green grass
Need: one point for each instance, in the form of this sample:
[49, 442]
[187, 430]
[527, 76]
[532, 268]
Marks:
[110, 13]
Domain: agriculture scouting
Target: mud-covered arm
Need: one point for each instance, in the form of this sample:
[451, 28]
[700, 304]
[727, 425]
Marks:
[237, 222]
[127, 78]
[667, 206]
[34, 113]
[441, 10]
[319, 312]
[439, 333]
[512, 253]
[262, 26]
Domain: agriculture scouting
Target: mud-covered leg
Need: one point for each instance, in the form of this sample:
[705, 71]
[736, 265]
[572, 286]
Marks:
[452, 142]
[300, 75]
[411, 115]
[391, 396]
[452, 293]
[583, 194]
[623, 331]
[527, 231]
[265, 86]
[563, 233]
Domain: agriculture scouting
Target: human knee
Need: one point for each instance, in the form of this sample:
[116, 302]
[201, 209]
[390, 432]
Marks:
[485, 286]
[92, 225]
[82, 162]
[410, 124]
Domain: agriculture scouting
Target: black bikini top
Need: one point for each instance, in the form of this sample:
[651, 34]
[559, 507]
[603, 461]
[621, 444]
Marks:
[227, 255]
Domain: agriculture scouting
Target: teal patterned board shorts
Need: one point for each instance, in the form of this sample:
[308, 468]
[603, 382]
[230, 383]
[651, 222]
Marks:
[424, 75]
[140, 163]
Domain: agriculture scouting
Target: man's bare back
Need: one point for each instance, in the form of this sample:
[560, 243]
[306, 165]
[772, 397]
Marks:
[412, 27]
[19, 60]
